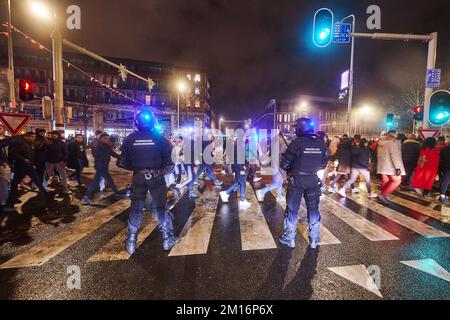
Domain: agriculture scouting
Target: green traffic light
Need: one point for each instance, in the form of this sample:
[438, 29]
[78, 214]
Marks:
[323, 26]
[440, 108]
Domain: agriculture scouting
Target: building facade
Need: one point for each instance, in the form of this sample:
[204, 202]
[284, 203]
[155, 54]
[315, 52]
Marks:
[329, 115]
[90, 106]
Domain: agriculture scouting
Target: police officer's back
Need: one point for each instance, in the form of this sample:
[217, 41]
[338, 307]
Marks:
[148, 154]
[305, 156]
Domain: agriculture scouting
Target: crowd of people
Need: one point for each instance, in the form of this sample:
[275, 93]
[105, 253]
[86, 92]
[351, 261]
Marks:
[44, 157]
[401, 161]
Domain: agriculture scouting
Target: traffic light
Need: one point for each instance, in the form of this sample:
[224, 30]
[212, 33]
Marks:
[323, 27]
[418, 113]
[390, 121]
[439, 108]
[26, 90]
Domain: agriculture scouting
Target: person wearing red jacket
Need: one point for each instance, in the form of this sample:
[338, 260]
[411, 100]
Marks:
[427, 167]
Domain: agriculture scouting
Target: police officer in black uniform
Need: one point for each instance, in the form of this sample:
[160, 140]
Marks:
[305, 156]
[148, 154]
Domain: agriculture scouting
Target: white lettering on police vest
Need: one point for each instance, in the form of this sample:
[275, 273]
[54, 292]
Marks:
[144, 143]
[312, 151]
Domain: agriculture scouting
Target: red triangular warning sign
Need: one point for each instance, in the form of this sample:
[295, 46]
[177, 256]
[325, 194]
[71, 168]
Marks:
[428, 133]
[14, 122]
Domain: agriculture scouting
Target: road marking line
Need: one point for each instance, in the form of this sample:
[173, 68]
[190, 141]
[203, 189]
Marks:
[365, 227]
[429, 266]
[48, 249]
[359, 275]
[114, 250]
[408, 222]
[443, 215]
[197, 231]
[326, 237]
[255, 233]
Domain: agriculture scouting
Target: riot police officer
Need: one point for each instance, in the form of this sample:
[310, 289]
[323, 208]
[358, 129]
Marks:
[148, 154]
[305, 156]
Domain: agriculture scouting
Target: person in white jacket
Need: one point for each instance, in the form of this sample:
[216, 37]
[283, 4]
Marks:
[389, 165]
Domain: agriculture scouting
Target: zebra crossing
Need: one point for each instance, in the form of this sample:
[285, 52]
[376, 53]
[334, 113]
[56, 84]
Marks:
[254, 231]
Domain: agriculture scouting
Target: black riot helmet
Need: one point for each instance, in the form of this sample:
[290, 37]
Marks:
[145, 120]
[304, 126]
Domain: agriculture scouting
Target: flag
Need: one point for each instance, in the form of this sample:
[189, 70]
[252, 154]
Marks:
[426, 169]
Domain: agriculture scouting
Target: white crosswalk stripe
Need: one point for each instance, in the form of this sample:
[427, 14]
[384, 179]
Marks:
[326, 237]
[410, 223]
[255, 233]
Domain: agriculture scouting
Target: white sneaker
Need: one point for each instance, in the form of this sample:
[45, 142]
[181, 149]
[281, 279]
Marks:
[372, 195]
[244, 204]
[257, 179]
[332, 190]
[260, 195]
[342, 193]
[224, 196]
[355, 190]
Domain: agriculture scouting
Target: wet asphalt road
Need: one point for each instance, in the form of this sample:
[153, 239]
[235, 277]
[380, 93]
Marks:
[225, 271]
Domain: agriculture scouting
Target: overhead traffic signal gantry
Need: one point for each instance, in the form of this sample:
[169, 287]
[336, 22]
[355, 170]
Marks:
[323, 27]
[439, 108]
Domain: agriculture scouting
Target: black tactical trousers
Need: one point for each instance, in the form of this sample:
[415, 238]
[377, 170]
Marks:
[158, 191]
[309, 187]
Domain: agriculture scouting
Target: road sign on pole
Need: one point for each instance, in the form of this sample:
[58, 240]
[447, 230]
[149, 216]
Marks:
[14, 122]
[341, 32]
[433, 78]
[429, 133]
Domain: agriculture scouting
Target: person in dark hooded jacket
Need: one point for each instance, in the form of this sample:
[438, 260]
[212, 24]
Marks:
[344, 156]
[77, 158]
[410, 157]
[56, 158]
[102, 152]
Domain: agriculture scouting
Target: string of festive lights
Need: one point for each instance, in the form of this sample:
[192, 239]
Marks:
[71, 65]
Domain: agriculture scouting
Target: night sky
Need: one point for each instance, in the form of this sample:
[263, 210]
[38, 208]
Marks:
[255, 50]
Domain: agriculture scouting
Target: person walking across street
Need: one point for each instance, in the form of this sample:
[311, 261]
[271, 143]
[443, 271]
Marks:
[102, 152]
[410, 157]
[237, 161]
[427, 168]
[359, 166]
[444, 168]
[23, 157]
[77, 159]
[56, 158]
[389, 165]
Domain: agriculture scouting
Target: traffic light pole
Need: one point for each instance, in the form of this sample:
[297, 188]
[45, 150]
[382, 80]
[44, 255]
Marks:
[431, 64]
[58, 80]
[12, 91]
[431, 60]
[350, 85]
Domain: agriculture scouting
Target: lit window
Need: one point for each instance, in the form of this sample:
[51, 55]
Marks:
[197, 91]
[198, 78]
[197, 103]
[189, 77]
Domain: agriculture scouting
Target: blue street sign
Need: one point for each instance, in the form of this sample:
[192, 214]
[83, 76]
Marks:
[433, 78]
[341, 32]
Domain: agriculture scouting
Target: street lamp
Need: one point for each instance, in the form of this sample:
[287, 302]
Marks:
[44, 12]
[181, 87]
[40, 10]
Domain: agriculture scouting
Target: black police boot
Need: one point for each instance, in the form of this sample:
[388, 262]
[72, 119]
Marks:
[130, 243]
[169, 240]
[287, 240]
[313, 243]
